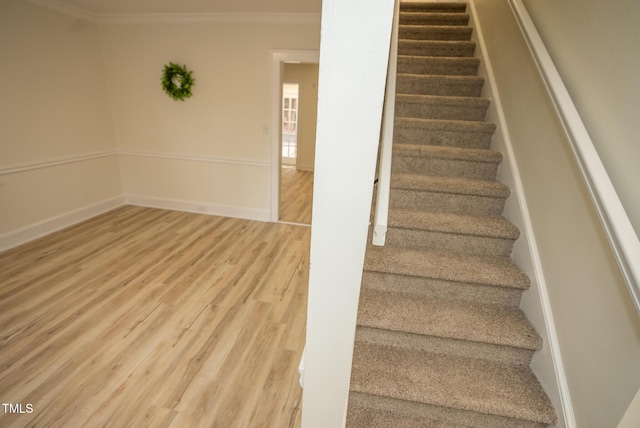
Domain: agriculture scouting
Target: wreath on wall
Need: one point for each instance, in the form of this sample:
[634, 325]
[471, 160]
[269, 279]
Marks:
[177, 81]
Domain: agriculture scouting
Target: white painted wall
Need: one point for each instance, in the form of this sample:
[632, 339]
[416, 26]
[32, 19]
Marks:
[352, 67]
[597, 327]
[54, 114]
[212, 152]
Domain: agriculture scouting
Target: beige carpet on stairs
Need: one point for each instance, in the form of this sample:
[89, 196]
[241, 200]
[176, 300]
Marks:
[441, 341]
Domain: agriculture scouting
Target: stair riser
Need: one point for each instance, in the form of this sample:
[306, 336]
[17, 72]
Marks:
[444, 167]
[420, 135]
[427, 85]
[431, 7]
[438, 345]
[421, 18]
[442, 109]
[447, 202]
[442, 289]
[418, 32]
[465, 244]
[436, 49]
[438, 66]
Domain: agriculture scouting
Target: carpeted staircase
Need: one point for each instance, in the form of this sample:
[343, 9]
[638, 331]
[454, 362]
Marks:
[440, 340]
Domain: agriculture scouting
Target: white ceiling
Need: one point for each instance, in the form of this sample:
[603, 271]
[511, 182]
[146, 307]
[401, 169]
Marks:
[195, 6]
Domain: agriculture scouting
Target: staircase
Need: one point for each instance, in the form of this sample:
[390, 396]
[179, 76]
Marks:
[440, 339]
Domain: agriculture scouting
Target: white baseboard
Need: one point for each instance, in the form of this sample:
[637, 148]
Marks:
[306, 167]
[40, 229]
[198, 207]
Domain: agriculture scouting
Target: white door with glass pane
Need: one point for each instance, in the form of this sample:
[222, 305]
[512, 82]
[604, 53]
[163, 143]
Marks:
[289, 123]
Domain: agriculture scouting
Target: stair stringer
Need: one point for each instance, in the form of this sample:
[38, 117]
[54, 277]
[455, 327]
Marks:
[547, 363]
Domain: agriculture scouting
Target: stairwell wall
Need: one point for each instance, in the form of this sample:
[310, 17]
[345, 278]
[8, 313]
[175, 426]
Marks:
[596, 324]
[594, 45]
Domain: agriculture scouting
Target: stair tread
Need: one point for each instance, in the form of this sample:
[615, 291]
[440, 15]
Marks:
[433, 32]
[372, 411]
[496, 227]
[447, 28]
[444, 78]
[451, 381]
[441, 288]
[444, 345]
[485, 270]
[456, 185]
[451, 59]
[432, 16]
[443, 85]
[441, 107]
[449, 65]
[446, 125]
[443, 100]
[446, 43]
[447, 152]
[430, 48]
[455, 319]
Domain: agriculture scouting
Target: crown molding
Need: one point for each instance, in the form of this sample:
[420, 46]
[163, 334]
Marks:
[266, 18]
[141, 18]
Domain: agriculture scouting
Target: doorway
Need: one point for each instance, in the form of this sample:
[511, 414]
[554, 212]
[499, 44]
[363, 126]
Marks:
[286, 189]
[299, 111]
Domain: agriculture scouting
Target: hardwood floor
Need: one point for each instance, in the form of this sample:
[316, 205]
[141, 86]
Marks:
[296, 195]
[152, 318]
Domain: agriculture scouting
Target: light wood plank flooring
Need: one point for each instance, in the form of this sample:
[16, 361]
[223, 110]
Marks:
[296, 195]
[153, 318]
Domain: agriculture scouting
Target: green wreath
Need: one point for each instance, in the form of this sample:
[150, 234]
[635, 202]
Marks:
[177, 81]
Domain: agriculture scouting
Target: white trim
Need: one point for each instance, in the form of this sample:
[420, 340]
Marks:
[196, 158]
[306, 167]
[527, 233]
[156, 155]
[227, 17]
[55, 162]
[66, 9]
[620, 232]
[46, 227]
[294, 223]
[141, 18]
[197, 207]
[278, 58]
[301, 370]
[40, 229]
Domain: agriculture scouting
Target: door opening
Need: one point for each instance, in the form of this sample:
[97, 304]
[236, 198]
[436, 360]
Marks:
[281, 61]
